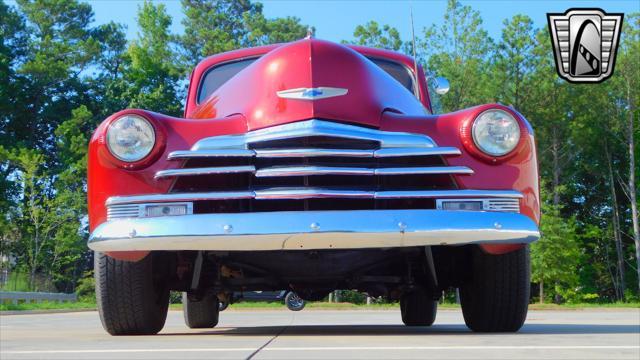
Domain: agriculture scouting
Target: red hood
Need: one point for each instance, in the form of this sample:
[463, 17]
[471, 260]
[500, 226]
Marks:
[310, 63]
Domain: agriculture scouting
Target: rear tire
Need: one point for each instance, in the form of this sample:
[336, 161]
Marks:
[418, 308]
[201, 314]
[496, 298]
[130, 300]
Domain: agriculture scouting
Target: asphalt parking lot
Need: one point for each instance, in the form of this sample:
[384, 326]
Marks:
[318, 334]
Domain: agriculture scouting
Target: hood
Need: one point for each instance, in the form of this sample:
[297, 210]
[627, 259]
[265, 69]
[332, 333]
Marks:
[308, 79]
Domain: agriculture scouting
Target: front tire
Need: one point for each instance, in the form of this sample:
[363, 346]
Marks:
[202, 314]
[418, 308]
[130, 300]
[496, 297]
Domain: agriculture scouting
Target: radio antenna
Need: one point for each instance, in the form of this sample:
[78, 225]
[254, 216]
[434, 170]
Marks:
[413, 39]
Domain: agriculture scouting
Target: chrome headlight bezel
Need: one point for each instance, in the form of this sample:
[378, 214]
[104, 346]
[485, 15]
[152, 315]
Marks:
[146, 139]
[488, 145]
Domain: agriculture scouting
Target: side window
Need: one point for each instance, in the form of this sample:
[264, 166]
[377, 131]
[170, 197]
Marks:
[215, 77]
[398, 72]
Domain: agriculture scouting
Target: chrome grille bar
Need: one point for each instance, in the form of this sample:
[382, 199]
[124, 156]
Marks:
[312, 170]
[397, 152]
[311, 152]
[203, 196]
[429, 170]
[329, 170]
[287, 153]
[205, 171]
[315, 128]
[179, 155]
[309, 193]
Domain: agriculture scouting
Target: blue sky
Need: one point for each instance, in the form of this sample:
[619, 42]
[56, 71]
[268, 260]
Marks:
[335, 20]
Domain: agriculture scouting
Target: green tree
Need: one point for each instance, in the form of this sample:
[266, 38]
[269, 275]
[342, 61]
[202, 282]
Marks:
[555, 257]
[627, 85]
[514, 60]
[372, 35]
[41, 213]
[263, 31]
[153, 75]
[215, 26]
[60, 48]
[459, 50]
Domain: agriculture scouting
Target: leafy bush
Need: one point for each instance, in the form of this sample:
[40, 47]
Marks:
[86, 288]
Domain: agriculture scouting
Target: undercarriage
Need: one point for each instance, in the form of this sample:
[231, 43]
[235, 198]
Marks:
[133, 296]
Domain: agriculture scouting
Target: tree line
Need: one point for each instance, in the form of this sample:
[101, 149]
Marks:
[61, 75]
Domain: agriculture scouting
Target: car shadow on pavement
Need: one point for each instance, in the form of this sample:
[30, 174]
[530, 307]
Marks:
[400, 330]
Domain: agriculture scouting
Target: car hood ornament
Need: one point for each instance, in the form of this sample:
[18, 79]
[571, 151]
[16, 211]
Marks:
[312, 93]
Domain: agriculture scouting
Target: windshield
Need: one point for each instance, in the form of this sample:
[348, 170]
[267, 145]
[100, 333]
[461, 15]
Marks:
[218, 75]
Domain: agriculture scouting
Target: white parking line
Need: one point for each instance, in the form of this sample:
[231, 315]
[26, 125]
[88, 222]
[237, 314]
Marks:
[339, 348]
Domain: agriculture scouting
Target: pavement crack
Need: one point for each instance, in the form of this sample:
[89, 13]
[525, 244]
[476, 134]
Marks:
[284, 328]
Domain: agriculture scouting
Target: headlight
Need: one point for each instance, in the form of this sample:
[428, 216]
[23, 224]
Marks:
[130, 138]
[496, 132]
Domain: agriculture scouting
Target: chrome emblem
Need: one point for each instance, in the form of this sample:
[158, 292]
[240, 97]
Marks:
[585, 42]
[312, 93]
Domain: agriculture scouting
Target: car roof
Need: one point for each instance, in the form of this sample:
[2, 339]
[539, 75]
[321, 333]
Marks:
[261, 50]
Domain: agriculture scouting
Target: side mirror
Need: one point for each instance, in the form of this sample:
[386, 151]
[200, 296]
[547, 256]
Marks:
[441, 85]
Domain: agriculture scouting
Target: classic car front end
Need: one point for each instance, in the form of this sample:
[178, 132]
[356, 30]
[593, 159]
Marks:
[312, 166]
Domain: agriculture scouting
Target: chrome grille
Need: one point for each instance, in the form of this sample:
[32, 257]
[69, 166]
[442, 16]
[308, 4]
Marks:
[314, 153]
[123, 211]
[508, 205]
[306, 162]
[315, 165]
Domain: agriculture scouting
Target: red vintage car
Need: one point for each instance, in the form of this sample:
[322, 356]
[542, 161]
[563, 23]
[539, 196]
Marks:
[312, 166]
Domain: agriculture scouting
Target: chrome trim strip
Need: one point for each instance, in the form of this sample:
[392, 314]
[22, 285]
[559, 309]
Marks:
[311, 193]
[314, 127]
[178, 155]
[311, 170]
[306, 193]
[286, 153]
[398, 152]
[205, 171]
[428, 170]
[448, 194]
[313, 152]
[153, 198]
[305, 230]
[335, 170]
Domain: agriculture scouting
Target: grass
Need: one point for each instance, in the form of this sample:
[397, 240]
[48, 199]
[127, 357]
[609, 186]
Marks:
[45, 305]
[250, 305]
[580, 306]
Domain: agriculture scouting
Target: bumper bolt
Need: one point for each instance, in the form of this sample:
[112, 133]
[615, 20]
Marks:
[402, 226]
[227, 229]
[315, 226]
[132, 233]
[497, 225]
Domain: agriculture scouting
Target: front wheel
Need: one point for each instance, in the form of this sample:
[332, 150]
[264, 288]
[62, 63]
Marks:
[418, 308]
[496, 297]
[131, 300]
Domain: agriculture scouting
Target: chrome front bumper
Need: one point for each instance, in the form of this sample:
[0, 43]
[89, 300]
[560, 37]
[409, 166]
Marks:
[310, 230]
